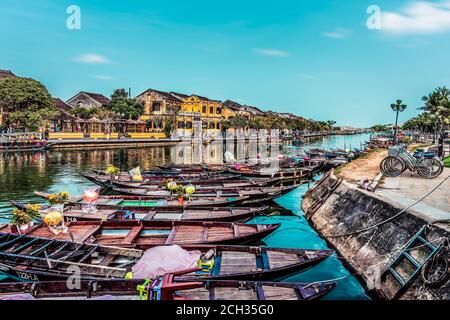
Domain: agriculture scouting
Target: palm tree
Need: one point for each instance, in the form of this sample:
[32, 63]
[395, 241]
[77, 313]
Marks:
[437, 104]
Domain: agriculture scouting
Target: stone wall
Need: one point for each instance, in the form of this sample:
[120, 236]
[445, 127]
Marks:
[349, 209]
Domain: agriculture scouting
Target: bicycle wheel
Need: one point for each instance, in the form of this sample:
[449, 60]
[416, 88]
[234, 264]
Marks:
[392, 167]
[429, 168]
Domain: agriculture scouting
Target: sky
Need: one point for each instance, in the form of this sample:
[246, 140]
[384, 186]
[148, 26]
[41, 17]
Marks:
[314, 58]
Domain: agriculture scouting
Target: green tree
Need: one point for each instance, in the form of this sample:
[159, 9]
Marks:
[170, 121]
[26, 102]
[437, 104]
[107, 117]
[125, 107]
[381, 127]
[84, 112]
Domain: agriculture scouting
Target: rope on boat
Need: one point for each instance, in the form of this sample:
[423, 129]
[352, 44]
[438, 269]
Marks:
[391, 218]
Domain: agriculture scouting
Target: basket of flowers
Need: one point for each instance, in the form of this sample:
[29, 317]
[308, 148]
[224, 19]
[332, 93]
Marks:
[54, 219]
[23, 219]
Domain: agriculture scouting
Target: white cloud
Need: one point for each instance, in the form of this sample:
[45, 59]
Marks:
[418, 17]
[271, 52]
[92, 58]
[102, 77]
[338, 33]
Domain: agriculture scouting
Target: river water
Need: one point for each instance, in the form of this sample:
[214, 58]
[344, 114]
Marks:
[58, 170]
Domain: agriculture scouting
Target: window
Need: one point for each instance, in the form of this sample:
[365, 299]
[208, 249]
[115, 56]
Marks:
[188, 125]
[211, 125]
[204, 109]
[156, 106]
[211, 109]
[218, 125]
[218, 110]
[180, 124]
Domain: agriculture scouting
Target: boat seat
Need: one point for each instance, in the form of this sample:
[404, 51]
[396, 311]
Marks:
[237, 262]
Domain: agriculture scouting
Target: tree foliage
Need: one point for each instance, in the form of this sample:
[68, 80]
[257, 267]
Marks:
[27, 103]
[436, 113]
[381, 127]
[125, 107]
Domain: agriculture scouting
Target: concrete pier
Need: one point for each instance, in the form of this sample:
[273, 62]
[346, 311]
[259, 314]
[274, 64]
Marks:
[338, 213]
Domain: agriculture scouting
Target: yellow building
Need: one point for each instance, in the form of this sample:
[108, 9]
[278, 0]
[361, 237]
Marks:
[186, 111]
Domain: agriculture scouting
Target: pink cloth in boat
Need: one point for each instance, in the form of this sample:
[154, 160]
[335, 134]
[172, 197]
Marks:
[19, 296]
[158, 261]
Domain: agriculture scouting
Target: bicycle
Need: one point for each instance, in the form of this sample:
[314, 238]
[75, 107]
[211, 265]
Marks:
[426, 164]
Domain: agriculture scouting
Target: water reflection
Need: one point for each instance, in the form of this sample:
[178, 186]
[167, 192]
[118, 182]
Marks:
[23, 173]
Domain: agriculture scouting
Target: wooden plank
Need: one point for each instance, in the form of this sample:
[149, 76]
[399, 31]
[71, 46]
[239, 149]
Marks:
[205, 234]
[89, 233]
[172, 235]
[235, 230]
[89, 253]
[106, 261]
[42, 248]
[279, 293]
[134, 232]
[234, 294]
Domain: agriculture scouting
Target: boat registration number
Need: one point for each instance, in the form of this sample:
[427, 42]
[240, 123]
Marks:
[27, 276]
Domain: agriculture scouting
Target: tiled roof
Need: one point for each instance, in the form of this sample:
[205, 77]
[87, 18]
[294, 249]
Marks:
[94, 96]
[61, 104]
[232, 105]
[166, 95]
[179, 95]
[6, 74]
[98, 97]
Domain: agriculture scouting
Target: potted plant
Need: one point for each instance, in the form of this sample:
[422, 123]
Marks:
[112, 171]
[22, 219]
[180, 193]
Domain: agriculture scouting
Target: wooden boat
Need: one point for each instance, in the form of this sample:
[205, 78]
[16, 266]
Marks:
[105, 180]
[286, 173]
[238, 182]
[146, 234]
[137, 203]
[167, 288]
[194, 167]
[28, 258]
[261, 193]
[231, 214]
[115, 289]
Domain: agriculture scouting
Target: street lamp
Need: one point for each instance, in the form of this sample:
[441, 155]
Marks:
[397, 107]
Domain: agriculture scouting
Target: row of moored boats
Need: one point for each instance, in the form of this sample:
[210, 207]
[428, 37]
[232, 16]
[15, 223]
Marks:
[173, 233]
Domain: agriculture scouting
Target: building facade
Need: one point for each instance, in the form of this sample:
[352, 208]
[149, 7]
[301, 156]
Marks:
[183, 111]
[85, 99]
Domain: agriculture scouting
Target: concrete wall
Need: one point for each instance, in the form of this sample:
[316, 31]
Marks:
[349, 209]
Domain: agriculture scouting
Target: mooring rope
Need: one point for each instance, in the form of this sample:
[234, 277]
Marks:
[391, 218]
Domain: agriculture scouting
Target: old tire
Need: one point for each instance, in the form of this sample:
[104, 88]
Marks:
[435, 271]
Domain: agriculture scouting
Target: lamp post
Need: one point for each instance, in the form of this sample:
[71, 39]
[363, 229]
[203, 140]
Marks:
[397, 107]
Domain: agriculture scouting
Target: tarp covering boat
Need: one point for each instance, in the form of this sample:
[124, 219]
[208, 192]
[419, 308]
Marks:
[158, 261]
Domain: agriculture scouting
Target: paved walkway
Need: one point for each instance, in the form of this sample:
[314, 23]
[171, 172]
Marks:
[406, 190]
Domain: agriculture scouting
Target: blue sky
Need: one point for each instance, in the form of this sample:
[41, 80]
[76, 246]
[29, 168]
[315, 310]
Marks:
[315, 58]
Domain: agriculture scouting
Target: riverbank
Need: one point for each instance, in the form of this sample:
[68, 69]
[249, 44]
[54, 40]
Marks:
[369, 230]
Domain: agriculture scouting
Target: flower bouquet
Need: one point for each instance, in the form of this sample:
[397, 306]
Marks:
[58, 198]
[54, 218]
[112, 171]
